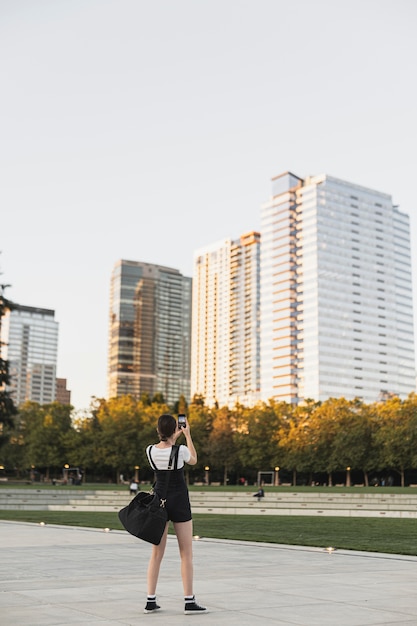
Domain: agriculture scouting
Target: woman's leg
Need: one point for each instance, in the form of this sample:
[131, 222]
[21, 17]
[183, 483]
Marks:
[184, 532]
[155, 563]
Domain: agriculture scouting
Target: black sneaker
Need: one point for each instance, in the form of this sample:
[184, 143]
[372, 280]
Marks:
[191, 608]
[151, 607]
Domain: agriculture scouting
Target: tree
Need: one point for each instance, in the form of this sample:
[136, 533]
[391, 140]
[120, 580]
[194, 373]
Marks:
[332, 436]
[158, 398]
[12, 451]
[181, 405]
[120, 446]
[351, 447]
[145, 398]
[83, 444]
[44, 430]
[257, 435]
[197, 400]
[221, 445]
[200, 419]
[396, 435]
[7, 407]
[296, 440]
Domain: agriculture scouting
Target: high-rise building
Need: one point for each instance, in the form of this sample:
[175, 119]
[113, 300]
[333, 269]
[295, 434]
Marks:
[63, 395]
[150, 331]
[336, 292]
[30, 336]
[225, 329]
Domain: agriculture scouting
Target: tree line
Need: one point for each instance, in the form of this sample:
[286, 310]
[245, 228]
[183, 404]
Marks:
[303, 441]
[7, 407]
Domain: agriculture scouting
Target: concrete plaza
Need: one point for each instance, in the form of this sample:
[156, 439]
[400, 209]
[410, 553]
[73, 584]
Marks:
[59, 575]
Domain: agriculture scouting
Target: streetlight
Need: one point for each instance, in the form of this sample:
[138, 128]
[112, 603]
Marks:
[65, 473]
[137, 468]
[276, 476]
[348, 477]
[207, 469]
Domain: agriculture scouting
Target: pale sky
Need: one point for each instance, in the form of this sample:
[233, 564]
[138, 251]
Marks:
[143, 130]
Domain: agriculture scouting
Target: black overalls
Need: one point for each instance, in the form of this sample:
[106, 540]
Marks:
[177, 498]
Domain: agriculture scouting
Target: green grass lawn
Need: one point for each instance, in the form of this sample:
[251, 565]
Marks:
[395, 536]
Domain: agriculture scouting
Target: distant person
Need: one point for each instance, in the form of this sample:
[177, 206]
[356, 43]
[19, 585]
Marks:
[259, 494]
[133, 487]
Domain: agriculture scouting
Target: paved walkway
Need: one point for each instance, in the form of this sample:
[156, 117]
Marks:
[59, 575]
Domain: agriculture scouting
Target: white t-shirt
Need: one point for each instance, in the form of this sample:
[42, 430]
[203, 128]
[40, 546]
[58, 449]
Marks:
[160, 456]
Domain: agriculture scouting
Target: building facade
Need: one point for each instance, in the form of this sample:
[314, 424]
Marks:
[336, 293]
[30, 336]
[63, 395]
[225, 329]
[149, 331]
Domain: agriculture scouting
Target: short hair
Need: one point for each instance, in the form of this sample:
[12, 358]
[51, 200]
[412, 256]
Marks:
[167, 426]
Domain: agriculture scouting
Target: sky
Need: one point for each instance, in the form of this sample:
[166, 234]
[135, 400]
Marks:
[144, 130]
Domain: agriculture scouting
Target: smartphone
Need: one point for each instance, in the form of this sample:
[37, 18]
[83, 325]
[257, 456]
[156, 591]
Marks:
[181, 421]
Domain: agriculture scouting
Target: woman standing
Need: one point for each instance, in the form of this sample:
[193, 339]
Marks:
[177, 506]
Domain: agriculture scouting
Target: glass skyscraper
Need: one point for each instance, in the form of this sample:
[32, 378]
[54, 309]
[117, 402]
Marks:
[225, 328]
[149, 331]
[336, 293]
[30, 336]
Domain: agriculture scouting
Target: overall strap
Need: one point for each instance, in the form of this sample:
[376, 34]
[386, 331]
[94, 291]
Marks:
[151, 461]
[173, 458]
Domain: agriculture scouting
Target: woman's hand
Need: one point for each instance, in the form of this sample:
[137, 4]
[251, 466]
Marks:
[190, 444]
[185, 429]
[177, 434]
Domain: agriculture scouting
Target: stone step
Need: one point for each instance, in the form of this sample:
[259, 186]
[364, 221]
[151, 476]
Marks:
[45, 503]
[375, 504]
[210, 496]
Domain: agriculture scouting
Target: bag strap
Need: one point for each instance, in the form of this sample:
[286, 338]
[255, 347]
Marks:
[173, 458]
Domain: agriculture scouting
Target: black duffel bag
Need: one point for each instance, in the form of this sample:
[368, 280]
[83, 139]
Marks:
[145, 517]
